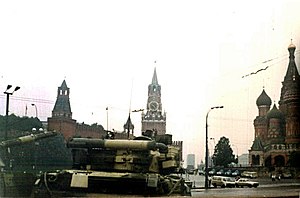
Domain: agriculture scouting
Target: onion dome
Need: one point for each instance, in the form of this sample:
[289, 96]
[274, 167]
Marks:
[292, 46]
[274, 113]
[292, 49]
[263, 99]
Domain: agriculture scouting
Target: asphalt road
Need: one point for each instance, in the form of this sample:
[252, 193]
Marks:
[266, 188]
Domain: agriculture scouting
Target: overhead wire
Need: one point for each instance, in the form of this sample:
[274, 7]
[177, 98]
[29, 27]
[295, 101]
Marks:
[26, 99]
[263, 65]
[281, 58]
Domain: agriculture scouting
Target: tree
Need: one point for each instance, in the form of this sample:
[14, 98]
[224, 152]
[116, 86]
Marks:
[223, 153]
[16, 126]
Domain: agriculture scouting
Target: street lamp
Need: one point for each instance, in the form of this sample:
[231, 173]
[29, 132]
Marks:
[106, 118]
[36, 112]
[212, 151]
[8, 93]
[206, 145]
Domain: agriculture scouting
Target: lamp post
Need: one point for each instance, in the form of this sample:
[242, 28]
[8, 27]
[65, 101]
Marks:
[106, 118]
[8, 93]
[36, 112]
[206, 145]
[212, 152]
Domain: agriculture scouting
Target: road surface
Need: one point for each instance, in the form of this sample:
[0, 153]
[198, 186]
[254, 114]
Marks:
[267, 188]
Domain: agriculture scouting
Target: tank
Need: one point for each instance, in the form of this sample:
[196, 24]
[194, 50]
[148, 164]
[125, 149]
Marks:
[15, 183]
[141, 166]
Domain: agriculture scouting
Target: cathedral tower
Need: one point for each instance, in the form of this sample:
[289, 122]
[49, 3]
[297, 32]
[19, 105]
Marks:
[289, 103]
[154, 119]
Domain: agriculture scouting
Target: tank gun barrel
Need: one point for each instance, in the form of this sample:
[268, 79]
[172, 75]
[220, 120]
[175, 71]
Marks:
[116, 144]
[27, 139]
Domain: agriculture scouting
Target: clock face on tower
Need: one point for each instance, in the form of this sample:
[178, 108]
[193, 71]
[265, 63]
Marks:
[153, 105]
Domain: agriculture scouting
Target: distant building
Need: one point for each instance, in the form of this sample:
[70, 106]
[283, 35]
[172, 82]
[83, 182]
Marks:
[201, 166]
[190, 161]
[243, 160]
[63, 122]
[277, 130]
[210, 161]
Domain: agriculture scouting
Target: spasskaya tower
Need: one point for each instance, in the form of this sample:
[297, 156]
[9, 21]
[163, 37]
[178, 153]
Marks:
[154, 119]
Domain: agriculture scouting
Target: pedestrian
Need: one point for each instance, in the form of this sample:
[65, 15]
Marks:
[273, 177]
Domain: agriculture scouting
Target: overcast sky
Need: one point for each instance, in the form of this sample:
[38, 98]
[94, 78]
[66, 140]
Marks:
[105, 50]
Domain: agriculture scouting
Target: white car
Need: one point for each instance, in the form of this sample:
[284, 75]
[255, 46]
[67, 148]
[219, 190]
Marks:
[249, 174]
[246, 182]
[224, 182]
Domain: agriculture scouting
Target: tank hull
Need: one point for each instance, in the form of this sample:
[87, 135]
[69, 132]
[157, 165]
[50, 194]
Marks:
[76, 183]
[17, 184]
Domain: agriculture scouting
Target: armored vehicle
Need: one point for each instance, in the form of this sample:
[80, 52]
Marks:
[141, 166]
[16, 183]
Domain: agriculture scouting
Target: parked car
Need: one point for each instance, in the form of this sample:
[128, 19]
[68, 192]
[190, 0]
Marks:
[212, 172]
[286, 175]
[228, 173]
[190, 171]
[224, 182]
[236, 173]
[246, 182]
[201, 172]
[220, 172]
[249, 174]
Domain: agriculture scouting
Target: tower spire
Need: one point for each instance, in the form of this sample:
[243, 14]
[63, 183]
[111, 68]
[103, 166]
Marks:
[292, 72]
[154, 78]
[154, 119]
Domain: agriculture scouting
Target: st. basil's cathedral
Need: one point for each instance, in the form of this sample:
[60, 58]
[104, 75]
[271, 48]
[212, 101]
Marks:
[277, 129]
